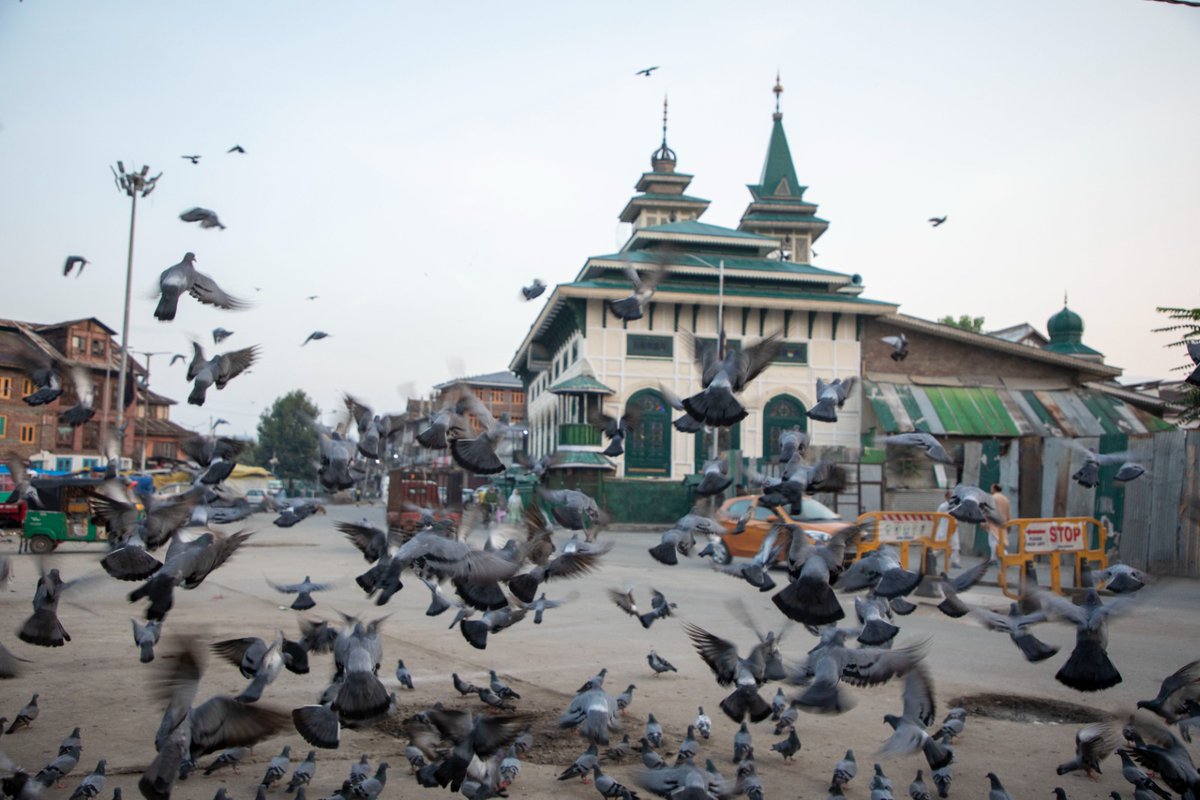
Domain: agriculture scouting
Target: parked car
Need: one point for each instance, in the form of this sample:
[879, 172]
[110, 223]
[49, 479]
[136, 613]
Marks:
[818, 520]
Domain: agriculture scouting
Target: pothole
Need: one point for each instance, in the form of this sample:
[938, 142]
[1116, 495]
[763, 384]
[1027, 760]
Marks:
[1022, 708]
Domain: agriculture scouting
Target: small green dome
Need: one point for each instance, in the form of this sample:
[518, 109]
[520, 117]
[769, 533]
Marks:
[1065, 326]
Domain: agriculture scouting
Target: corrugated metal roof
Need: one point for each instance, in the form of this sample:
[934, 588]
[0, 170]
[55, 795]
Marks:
[984, 411]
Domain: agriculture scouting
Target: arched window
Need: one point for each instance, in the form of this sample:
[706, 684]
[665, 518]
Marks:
[728, 438]
[780, 413]
[648, 447]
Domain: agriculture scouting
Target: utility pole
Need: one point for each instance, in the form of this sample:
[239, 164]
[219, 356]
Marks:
[146, 405]
[133, 184]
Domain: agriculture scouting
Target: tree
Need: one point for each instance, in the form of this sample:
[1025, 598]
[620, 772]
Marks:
[965, 322]
[1186, 325]
[286, 433]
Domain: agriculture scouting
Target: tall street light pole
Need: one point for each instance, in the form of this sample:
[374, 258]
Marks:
[146, 404]
[132, 183]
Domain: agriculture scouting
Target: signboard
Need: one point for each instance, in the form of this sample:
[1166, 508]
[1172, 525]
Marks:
[1054, 535]
[902, 529]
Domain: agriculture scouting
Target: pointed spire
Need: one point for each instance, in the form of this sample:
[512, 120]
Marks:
[663, 159]
[778, 90]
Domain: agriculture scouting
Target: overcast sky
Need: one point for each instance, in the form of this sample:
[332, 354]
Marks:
[415, 164]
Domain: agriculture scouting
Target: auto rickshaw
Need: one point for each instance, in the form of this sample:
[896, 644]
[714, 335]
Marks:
[65, 515]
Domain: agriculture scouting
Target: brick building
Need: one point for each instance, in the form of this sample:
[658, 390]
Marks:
[34, 433]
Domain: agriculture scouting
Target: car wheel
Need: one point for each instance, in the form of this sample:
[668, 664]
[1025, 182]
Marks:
[41, 545]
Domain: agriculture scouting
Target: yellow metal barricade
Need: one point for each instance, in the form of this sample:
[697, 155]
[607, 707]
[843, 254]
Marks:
[932, 530]
[1049, 536]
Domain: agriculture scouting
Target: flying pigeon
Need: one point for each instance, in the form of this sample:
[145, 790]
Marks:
[533, 290]
[1016, 626]
[830, 398]
[220, 334]
[1093, 744]
[685, 423]
[909, 727]
[926, 441]
[936, 221]
[85, 398]
[314, 336]
[646, 71]
[899, 345]
[1088, 669]
[72, 262]
[1175, 690]
[219, 370]
[237, 148]
[1193, 349]
[184, 277]
[614, 429]
[303, 592]
[195, 159]
[746, 674]
[723, 375]
[632, 307]
[206, 217]
[145, 637]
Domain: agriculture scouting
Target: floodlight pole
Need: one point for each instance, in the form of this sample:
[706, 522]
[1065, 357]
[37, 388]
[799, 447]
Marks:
[132, 184]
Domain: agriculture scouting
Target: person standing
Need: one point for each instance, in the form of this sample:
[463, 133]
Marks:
[939, 533]
[515, 507]
[1003, 513]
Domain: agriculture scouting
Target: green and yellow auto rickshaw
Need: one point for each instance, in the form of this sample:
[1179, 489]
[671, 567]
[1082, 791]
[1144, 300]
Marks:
[65, 515]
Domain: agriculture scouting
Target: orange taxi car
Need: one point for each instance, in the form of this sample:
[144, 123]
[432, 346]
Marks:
[816, 519]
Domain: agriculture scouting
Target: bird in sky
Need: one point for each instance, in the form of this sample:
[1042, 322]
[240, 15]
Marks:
[899, 346]
[534, 289]
[177, 357]
[314, 336]
[72, 262]
[195, 159]
[645, 71]
[312, 297]
[936, 221]
[184, 277]
[237, 148]
[206, 217]
[220, 334]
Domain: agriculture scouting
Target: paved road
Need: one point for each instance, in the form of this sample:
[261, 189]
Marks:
[97, 683]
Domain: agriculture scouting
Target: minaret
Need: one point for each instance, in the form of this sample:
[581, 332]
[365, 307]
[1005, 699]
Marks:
[778, 207]
[662, 197]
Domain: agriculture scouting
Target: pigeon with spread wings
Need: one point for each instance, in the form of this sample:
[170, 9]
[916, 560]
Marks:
[632, 307]
[184, 278]
[724, 375]
[219, 370]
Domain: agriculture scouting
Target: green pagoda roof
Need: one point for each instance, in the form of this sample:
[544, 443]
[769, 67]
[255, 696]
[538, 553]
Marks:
[580, 384]
[692, 227]
[779, 173]
[767, 217]
[731, 262]
[581, 459]
[733, 290]
[687, 198]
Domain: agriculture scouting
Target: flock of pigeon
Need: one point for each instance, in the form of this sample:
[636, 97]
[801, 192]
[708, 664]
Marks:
[496, 585]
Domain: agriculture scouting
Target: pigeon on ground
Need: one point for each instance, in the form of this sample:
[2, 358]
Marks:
[689, 748]
[910, 727]
[534, 289]
[314, 336]
[830, 398]
[703, 724]
[625, 698]
[474, 737]
[501, 688]
[59, 767]
[1142, 782]
[145, 637]
[659, 664]
[185, 278]
[25, 717]
[230, 757]
[1174, 692]
[303, 592]
[899, 345]
[917, 790]
[1088, 669]
[926, 441]
[304, 772]
[843, 772]
[582, 766]
[685, 781]
[72, 262]
[403, 675]
[619, 751]
[654, 731]
[789, 746]
[594, 713]
[219, 370]
[609, 787]
[743, 744]
[206, 217]
[725, 374]
[632, 307]
[92, 783]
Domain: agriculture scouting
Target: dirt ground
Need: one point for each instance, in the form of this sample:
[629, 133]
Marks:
[1022, 722]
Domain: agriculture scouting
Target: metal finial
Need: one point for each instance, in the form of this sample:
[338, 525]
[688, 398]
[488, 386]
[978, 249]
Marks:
[1064, 298]
[664, 121]
[778, 90]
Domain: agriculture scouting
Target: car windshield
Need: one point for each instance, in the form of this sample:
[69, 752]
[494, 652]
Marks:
[812, 510]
